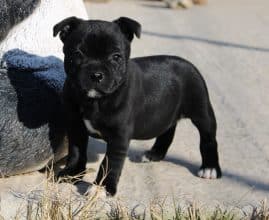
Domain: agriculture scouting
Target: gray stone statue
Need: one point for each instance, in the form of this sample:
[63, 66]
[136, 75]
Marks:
[14, 11]
[32, 125]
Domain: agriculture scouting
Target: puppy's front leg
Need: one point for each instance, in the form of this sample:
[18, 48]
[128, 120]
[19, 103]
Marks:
[78, 141]
[112, 164]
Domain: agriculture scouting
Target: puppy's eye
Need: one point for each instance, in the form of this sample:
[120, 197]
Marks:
[116, 57]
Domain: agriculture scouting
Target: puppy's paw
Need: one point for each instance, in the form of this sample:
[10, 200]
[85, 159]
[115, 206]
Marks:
[110, 185]
[111, 190]
[151, 156]
[209, 173]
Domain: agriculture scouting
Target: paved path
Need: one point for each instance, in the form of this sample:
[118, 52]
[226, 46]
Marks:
[228, 42]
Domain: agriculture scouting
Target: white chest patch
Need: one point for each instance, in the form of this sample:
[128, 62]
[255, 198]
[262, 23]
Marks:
[93, 93]
[90, 128]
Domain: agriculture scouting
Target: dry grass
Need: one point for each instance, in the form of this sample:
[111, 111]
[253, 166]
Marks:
[52, 203]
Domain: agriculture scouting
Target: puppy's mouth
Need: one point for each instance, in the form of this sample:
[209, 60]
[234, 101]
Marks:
[97, 93]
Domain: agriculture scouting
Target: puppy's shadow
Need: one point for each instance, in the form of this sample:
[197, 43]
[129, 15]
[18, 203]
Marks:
[97, 147]
[192, 167]
[136, 156]
[83, 187]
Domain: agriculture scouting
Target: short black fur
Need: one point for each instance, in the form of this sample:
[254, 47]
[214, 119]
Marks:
[109, 96]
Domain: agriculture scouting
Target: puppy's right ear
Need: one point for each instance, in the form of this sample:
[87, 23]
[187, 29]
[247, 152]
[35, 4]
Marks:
[129, 27]
[65, 27]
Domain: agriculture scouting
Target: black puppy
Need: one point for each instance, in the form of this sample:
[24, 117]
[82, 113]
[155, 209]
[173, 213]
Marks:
[109, 96]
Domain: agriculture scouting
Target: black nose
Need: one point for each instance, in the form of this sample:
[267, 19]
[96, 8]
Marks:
[97, 77]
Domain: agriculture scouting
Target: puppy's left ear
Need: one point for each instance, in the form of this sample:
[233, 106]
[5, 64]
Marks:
[65, 27]
[129, 27]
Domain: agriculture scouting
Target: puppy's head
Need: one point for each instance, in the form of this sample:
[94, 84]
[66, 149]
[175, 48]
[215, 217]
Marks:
[97, 52]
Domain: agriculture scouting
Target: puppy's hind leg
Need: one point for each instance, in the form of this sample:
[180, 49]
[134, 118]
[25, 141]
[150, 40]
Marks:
[160, 147]
[206, 124]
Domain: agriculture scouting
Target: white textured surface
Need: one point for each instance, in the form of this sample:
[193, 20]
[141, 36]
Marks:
[34, 34]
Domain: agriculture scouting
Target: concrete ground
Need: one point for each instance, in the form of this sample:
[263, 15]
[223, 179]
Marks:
[228, 42]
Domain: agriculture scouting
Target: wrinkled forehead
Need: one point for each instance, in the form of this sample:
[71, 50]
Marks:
[101, 39]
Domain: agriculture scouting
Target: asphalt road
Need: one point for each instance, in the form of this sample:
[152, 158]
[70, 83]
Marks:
[228, 42]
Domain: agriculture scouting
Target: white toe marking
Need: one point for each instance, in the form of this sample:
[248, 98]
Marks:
[90, 128]
[213, 174]
[144, 159]
[93, 93]
[208, 173]
[200, 173]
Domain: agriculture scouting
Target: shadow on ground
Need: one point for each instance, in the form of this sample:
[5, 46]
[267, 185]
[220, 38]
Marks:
[135, 156]
[157, 6]
[207, 41]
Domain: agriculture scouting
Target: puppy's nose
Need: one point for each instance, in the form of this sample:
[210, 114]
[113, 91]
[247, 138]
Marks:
[97, 77]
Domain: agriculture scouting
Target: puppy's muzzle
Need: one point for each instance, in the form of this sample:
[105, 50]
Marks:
[97, 77]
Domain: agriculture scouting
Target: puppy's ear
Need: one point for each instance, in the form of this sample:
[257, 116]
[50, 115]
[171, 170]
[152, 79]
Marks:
[129, 27]
[65, 27]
